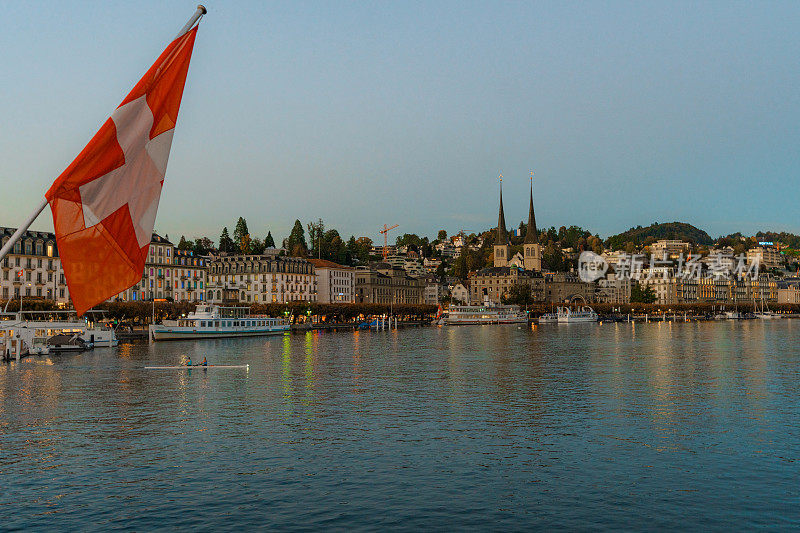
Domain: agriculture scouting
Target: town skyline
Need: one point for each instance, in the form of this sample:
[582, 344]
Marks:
[386, 106]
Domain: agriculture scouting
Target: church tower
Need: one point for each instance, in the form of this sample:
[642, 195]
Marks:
[532, 250]
[501, 243]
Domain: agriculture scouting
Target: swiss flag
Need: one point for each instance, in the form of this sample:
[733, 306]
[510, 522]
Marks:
[104, 204]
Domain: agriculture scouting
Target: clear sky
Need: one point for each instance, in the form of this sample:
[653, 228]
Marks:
[364, 113]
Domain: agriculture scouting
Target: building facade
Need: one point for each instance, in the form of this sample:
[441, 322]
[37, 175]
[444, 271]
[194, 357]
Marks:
[169, 274]
[381, 283]
[563, 287]
[767, 256]
[266, 278]
[32, 268]
[335, 282]
[489, 285]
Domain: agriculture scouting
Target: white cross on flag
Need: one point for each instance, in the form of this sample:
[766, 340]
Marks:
[104, 204]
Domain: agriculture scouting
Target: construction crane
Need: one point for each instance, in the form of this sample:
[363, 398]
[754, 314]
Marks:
[386, 229]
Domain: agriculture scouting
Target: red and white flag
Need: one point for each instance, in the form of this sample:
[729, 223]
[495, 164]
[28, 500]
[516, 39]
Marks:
[104, 204]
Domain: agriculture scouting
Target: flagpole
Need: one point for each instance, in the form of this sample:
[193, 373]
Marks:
[201, 10]
[22, 229]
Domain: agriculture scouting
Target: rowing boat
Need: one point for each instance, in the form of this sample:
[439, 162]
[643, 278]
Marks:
[185, 367]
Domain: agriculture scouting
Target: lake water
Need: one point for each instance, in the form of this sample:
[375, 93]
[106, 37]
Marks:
[621, 426]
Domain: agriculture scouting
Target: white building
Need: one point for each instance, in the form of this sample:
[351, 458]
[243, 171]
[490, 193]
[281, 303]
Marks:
[671, 248]
[767, 256]
[460, 293]
[266, 278]
[33, 268]
[789, 292]
[335, 282]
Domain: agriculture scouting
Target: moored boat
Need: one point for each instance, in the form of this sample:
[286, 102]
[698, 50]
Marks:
[567, 315]
[485, 314]
[210, 322]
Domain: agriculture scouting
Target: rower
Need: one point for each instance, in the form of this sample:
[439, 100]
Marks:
[204, 363]
[188, 361]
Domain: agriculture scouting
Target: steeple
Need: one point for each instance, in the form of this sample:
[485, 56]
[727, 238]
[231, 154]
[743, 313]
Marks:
[502, 234]
[532, 251]
[531, 235]
[501, 246]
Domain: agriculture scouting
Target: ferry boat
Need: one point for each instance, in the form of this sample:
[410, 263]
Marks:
[549, 318]
[485, 314]
[567, 315]
[31, 337]
[211, 322]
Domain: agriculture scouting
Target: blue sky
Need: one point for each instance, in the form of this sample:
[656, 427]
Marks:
[402, 112]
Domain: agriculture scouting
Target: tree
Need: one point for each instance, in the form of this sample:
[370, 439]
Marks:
[552, 258]
[257, 246]
[269, 242]
[226, 244]
[202, 246]
[442, 235]
[518, 295]
[241, 236]
[644, 295]
[316, 231]
[184, 244]
[296, 243]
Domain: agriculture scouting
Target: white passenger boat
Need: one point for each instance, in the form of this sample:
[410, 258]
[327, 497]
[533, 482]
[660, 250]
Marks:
[485, 314]
[33, 335]
[567, 315]
[549, 318]
[210, 321]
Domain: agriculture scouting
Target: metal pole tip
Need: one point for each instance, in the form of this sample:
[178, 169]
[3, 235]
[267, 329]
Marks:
[202, 8]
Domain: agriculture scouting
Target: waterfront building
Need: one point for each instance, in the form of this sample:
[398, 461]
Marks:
[383, 283]
[611, 290]
[157, 278]
[189, 276]
[561, 287]
[335, 283]
[266, 278]
[489, 285]
[33, 268]
[663, 283]
[460, 293]
[788, 291]
[767, 256]
[434, 291]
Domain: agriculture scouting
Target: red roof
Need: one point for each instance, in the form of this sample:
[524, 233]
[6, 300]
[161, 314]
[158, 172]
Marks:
[324, 263]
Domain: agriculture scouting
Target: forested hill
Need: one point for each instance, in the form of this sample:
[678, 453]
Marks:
[654, 232]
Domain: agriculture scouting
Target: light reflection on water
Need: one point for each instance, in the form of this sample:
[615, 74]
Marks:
[593, 426]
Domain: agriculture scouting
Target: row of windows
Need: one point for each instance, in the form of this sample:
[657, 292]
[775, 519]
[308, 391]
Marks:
[29, 262]
[30, 246]
[28, 292]
[296, 267]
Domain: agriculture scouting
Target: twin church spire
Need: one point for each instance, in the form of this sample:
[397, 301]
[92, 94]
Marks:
[531, 250]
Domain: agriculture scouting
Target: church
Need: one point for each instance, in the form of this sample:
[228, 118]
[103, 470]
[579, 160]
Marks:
[490, 284]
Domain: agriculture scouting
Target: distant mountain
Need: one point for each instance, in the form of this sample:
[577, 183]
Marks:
[669, 230]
